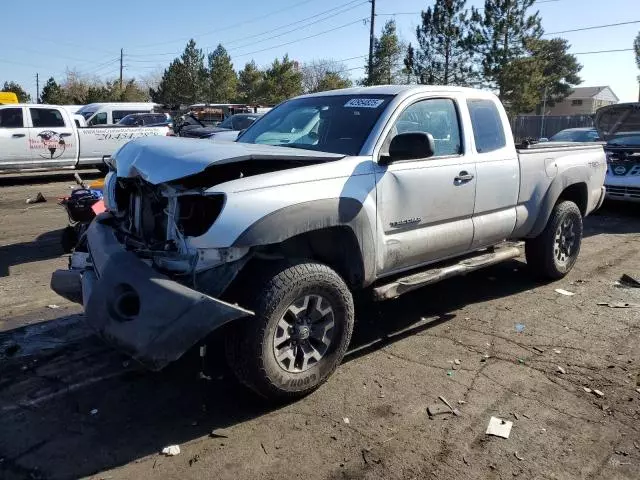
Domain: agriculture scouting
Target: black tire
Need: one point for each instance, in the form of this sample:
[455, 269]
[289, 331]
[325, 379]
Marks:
[69, 239]
[250, 345]
[545, 257]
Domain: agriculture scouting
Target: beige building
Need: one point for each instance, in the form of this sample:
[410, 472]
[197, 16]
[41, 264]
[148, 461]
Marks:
[584, 101]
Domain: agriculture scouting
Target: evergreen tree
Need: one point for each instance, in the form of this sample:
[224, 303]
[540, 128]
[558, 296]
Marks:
[387, 55]
[184, 81]
[250, 83]
[445, 53]
[223, 81]
[21, 93]
[282, 80]
[500, 34]
[636, 51]
[409, 63]
[52, 93]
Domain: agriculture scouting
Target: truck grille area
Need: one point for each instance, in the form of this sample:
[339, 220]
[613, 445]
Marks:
[633, 192]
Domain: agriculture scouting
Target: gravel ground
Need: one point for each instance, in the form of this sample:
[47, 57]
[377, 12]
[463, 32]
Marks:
[72, 407]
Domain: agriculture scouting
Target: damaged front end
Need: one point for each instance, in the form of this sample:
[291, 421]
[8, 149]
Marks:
[144, 288]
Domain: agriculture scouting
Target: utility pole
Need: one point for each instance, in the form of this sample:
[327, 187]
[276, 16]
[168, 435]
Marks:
[37, 88]
[372, 34]
[544, 107]
[121, 55]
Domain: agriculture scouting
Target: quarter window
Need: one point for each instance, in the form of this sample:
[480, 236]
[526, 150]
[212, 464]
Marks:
[46, 118]
[11, 118]
[488, 130]
[436, 116]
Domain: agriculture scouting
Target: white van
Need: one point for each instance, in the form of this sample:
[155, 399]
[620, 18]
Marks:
[111, 113]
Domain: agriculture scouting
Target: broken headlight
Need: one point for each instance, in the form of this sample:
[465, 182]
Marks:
[198, 212]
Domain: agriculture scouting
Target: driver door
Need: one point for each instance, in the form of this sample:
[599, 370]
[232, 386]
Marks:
[425, 205]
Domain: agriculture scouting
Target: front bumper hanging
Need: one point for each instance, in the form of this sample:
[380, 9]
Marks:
[142, 312]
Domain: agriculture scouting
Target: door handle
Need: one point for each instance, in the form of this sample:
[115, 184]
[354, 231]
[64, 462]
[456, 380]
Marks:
[65, 134]
[463, 177]
[17, 135]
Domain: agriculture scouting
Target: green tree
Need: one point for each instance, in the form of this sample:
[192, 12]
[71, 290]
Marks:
[445, 54]
[184, 81]
[387, 58]
[547, 74]
[21, 93]
[409, 63]
[324, 74]
[499, 35]
[223, 81]
[52, 93]
[250, 81]
[282, 80]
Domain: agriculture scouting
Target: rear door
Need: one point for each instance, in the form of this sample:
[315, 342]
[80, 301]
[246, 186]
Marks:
[14, 136]
[425, 206]
[498, 174]
[51, 137]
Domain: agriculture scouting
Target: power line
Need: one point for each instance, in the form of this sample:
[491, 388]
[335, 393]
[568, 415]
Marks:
[229, 27]
[303, 38]
[605, 51]
[595, 27]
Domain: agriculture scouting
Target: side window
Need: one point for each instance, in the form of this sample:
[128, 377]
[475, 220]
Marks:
[46, 118]
[11, 118]
[436, 116]
[120, 114]
[99, 119]
[488, 130]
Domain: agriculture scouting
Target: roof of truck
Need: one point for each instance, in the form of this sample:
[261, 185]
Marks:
[402, 89]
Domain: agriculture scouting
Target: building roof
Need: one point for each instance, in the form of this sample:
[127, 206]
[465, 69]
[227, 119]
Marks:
[588, 92]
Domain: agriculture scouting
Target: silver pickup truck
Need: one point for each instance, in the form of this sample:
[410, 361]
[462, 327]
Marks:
[385, 189]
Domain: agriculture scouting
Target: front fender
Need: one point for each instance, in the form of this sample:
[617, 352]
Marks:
[305, 217]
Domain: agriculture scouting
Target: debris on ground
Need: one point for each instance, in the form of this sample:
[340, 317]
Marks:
[598, 393]
[53, 306]
[617, 304]
[39, 198]
[557, 350]
[638, 390]
[171, 450]
[438, 409]
[462, 402]
[559, 369]
[564, 292]
[264, 449]
[450, 373]
[519, 327]
[455, 411]
[457, 362]
[521, 361]
[621, 452]
[587, 389]
[94, 411]
[346, 420]
[215, 434]
[538, 349]
[499, 427]
[194, 459]
[515, 454]
[628, 281]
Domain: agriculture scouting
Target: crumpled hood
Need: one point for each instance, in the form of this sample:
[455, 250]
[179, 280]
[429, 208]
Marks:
[616, 119]
[163, 159]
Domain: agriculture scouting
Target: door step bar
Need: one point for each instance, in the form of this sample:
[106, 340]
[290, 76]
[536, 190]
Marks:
[426, 277]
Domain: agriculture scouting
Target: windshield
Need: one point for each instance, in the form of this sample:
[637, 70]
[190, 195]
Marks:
[630, 139]
[575, 136]
[335, 124]
[86, 113]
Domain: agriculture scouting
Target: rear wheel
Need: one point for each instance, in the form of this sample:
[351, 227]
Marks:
[553, 253]
[301, 330]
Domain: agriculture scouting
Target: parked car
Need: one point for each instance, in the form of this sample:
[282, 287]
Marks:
[111, 113]
[237, 122]
[47, 136]
[147, 119]
[576, 135]
[619, 125]
[384, 189]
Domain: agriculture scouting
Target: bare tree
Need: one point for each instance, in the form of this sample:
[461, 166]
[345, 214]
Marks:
[324, 74]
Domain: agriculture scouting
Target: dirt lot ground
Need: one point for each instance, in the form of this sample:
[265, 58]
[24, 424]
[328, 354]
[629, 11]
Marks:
[71, 407]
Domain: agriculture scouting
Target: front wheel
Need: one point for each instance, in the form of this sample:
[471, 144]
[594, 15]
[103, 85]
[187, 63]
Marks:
[553, 253]
[303, 321]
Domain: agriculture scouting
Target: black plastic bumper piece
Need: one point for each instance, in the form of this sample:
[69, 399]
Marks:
[144, 313]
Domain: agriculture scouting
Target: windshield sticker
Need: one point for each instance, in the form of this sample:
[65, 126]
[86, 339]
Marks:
[364, 103]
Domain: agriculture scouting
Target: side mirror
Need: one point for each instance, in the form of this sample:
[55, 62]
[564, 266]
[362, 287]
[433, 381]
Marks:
[409, 146]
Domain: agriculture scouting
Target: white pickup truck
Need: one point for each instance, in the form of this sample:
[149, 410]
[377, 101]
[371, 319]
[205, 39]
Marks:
[46, 136]
[383, 189]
